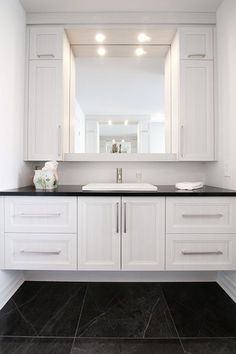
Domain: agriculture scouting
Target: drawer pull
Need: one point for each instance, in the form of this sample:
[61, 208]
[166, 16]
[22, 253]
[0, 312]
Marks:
[41, 252]
[26, 215]
[207, 253]
[197, 55]
[217, 215]
[45, 55]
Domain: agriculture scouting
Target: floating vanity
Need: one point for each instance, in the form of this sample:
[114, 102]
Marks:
[76, 229]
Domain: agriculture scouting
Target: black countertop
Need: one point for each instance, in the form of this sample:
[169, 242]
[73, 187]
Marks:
[163, 191]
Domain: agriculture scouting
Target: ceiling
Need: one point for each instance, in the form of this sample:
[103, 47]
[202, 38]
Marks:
[120, 5]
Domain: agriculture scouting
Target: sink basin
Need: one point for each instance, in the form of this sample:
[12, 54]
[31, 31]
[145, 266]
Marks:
[119, 187]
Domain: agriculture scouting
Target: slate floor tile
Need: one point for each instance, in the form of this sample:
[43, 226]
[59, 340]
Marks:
[210, 346]
[138, 346]
[201, 309]
[125, 310]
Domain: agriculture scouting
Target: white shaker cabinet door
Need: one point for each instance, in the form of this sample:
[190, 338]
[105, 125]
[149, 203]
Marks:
[45, 110]
[99, 233]
[196, 43]
[197, 111]
[143, 233]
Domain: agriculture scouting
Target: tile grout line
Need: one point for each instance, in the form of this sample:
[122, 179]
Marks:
[80, 315]
[172, 318]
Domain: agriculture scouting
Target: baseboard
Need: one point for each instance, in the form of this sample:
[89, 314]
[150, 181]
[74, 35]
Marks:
[10, 288]
[89, 276]
[228, 284]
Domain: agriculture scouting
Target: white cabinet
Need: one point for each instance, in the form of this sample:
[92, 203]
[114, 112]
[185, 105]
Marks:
[40, 251]
[196, 110]
[196, 43]
[192, 62]
[46, 42]
[99, 233]
[134, 241]
[143, 233]
[47, 100]
[45, 110]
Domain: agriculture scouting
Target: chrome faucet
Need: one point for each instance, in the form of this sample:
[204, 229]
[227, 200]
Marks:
[119, 175]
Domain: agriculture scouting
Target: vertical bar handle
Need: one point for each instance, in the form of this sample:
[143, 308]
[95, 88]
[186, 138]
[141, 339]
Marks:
[59, 140]
[182, 140]
[117, 217]
[125, 218]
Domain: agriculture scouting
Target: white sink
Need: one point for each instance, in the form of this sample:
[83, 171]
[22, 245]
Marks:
[119, 187]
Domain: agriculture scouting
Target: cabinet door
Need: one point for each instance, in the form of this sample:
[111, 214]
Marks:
[46, 43]
[196, 43]
[196, 111]
[45, 110]
[143, 233]
[99, 233]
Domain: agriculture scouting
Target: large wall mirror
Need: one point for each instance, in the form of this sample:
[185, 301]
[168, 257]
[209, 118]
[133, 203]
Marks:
[120, 91]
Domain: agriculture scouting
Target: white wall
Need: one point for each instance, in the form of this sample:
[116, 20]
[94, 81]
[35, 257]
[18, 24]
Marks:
[13, 172]
[226, 54]
[154, 172]
[226, 127]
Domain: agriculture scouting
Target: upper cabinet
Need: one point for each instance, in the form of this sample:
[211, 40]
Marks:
[161, 104]
[46, 43]
[193, 136]
[196, 43]
[48, 94]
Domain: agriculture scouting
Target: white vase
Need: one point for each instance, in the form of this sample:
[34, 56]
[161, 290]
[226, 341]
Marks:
[44, 180]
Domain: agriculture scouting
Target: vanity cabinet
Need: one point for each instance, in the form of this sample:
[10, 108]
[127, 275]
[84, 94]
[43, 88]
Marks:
[121, 233]
[48, 94]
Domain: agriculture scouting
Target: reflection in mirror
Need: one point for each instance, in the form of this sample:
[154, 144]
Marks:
[119, 105]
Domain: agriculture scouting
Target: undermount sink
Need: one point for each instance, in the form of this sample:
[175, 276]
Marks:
[119, 187]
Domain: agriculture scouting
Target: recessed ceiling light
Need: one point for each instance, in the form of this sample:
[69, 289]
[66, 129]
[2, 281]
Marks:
[140, 51]
[100, 37]
[101, 51]
[142, 38]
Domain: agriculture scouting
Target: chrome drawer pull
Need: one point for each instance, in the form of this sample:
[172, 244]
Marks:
[217, 215]
[39, 215]
[197, 55]
[45, 55]
[41, 252]
[193, 253]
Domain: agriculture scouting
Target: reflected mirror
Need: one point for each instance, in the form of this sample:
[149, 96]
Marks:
[120, 95]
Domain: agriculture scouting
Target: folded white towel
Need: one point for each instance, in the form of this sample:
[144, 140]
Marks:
[189, 185]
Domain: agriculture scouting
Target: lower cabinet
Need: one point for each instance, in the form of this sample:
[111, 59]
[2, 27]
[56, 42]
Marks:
[121, 233]
[40, 251]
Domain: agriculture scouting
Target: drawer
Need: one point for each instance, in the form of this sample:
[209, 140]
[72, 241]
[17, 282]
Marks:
[40, 251]
[196, 43]
[201, 252]
[46, 43]
[201, 215]
[40, 214]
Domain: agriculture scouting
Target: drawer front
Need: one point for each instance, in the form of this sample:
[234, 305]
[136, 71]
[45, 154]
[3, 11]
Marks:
[201, 215]
[201, 252]
[40, 251]
[40, 214]
[196, 43]
[46, 43]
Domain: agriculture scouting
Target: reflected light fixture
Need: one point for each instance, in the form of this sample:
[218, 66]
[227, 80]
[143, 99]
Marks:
[126, 122]
[109, 122]
[101, 51]
[143, 38]
[100, 37]
[140, 51]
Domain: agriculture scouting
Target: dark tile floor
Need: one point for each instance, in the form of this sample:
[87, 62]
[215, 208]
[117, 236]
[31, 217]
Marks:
[112, 318]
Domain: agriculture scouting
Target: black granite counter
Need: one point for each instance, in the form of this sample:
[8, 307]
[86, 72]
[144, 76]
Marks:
[163, 191]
